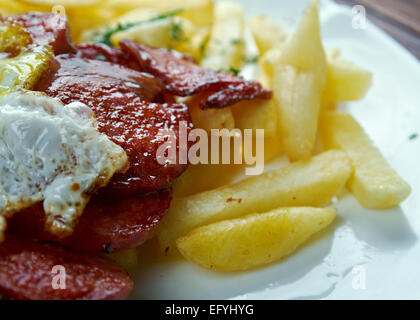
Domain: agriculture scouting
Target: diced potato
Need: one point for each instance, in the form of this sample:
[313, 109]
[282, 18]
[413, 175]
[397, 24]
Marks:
[304, 50]
[210, 118]
[374, 183]
[200, 12]
[225, 49]
[267, 33]
[305, 183]
[126, 259]
[203, 177]
[256, 114]
[297, 97]
[346, 81]
[254, 240]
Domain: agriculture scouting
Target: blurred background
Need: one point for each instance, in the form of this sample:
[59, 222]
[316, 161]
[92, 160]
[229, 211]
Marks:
[399, 18]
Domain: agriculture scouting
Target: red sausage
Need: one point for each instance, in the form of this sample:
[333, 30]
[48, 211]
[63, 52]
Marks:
[120, 99]
[100, 51]
[183, 77]
[107, 224]
[26, 272]
[47, 29]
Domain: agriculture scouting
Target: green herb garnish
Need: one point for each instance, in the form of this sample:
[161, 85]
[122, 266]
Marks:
[203, 45]
[413, 136]
[176, 32]
[105, 35]
[236, 41]
[234, 71]
[253, 59]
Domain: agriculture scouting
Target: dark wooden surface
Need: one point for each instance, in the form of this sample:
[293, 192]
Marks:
[399, 18]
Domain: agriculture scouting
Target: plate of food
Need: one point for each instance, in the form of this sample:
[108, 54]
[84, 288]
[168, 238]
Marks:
[205, 150]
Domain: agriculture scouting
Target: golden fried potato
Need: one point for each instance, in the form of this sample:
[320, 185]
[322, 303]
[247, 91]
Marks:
[303, 49]
[83, 20]
[306, 183]
[65, 3]
[225, 48]
[170, 32]
[297, 97]
[210, 118]
[10, 8]
[200, 12]
[256, 114]
[203, 177]
[374, 183]
[267, 33]
[254, 240]
[298, 82]
[126, 258]
[265, 78]
[346, 81]
[269, 60]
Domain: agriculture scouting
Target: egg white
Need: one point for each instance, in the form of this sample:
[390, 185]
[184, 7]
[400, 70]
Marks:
[52, 153]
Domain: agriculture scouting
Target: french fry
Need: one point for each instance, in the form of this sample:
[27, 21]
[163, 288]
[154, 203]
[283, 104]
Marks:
[197, 43]
[254, 240]
[272, 148]
[303, 49]
[267, 33]
[298, 82]
[82, 20]
[223, 52]
[170, 32]
[211, 118]
[346, 81]
[374, 183]
[270, 59]
[203, 177]
[256, 114]
[199, 12]
[126, 258]
[297, 97]
[65, 3]
[265, 78]
[306, 183]
[10, 8]
[225, 49]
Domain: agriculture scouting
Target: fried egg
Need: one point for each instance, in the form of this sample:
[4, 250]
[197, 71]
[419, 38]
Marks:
[53, 153]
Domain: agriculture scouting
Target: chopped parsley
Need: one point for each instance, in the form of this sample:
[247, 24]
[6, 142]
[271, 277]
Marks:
[105, 35]
[176, 32]
[234, 71]
[203, 45]
[231, 70]
[413, 136]
[236, 41]
[253, 59]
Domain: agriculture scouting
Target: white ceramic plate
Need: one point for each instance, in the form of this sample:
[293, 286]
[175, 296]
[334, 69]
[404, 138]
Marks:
[365, 254]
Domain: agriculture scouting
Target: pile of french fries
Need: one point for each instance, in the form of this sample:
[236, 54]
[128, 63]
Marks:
[228, 226]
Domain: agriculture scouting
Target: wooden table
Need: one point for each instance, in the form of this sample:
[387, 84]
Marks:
[399, 18]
